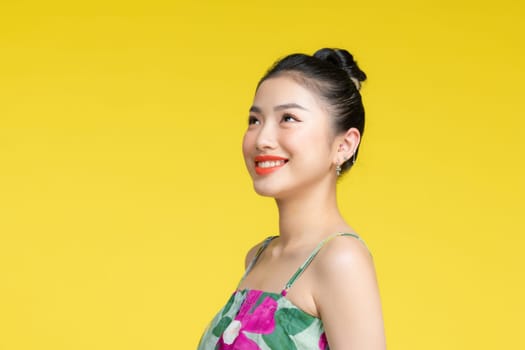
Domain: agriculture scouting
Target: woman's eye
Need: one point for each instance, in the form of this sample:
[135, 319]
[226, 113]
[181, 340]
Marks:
[289, 118]
[252, 120]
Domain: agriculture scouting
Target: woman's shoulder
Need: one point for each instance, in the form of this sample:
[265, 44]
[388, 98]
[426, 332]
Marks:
[253, 251]
[345, 257]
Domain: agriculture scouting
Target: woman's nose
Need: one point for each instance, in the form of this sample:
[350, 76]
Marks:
[266, 138]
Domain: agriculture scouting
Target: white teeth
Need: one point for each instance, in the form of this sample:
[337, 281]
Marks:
[270, 163]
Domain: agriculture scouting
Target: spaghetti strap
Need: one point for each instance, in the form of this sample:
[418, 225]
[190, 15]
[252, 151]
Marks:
[256, 257]
[307, 262]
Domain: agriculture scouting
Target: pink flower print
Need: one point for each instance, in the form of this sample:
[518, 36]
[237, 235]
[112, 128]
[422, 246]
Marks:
[253, 319]
[323, 343]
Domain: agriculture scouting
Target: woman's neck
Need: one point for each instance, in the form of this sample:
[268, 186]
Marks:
[309, 216]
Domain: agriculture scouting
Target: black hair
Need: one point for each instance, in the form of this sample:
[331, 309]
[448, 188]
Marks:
[335, 77]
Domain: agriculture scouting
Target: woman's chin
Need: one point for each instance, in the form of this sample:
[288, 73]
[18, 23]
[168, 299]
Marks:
[266, 190]
[271, 191]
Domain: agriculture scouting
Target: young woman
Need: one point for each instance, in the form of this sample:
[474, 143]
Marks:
[314, 285]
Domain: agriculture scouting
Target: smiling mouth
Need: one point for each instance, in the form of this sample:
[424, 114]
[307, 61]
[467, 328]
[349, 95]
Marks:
[269, 166]
[269, 163]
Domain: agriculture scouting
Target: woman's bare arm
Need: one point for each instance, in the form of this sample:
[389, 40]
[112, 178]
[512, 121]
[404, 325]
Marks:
[347, 296]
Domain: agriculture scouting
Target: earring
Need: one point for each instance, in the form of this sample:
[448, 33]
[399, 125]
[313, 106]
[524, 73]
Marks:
[353, 157]
[338, 170]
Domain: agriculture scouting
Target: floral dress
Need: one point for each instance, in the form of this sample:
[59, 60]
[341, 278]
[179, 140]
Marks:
[258, 320]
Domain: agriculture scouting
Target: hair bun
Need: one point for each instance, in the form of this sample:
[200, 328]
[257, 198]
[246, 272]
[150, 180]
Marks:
[344, 60]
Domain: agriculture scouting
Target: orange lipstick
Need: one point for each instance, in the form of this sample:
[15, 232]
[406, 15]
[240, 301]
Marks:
[267, 164]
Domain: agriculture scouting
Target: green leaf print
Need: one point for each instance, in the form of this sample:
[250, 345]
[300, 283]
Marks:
[228, 305]
[278, 339]
[292, 320]
[221, 326]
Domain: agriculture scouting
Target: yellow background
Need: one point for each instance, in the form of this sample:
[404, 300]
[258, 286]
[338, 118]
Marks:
[125, 208]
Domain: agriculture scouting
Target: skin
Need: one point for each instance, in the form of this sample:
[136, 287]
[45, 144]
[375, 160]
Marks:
[340, 285]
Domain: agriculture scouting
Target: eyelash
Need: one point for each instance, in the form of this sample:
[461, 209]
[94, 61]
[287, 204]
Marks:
[288, 115]
[253, 120]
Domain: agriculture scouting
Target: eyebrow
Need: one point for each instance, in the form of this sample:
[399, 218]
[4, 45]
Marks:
[279, 107]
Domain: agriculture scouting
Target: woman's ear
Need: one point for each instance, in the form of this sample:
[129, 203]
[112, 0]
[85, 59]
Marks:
[346, 145]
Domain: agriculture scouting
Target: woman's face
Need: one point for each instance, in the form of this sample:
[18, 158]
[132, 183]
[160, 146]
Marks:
[289, 145]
